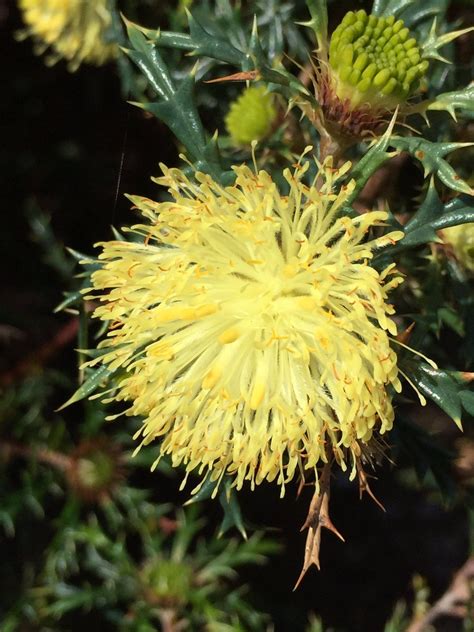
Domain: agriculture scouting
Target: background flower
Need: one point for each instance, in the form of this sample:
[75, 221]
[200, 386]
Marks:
[75, 30]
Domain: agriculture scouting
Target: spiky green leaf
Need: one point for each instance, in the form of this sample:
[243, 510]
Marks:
[448, 389]
[432, 216]
[431, 155]
[414, 13]
[318, 23]
[232, 513]
[176, 106]
[435, 41]
[457, 102]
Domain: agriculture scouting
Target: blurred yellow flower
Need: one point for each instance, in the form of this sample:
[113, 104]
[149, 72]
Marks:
[461, 239]
[74, 30]
[250, 330]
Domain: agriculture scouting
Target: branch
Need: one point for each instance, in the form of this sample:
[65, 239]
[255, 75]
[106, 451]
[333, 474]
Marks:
[40, 356]
[453, 603]
[56, 459]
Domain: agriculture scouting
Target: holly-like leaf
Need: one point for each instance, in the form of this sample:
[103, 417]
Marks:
[318, 23]
[390, 7]
[176, 106]
[448, 389]
[432, 216]
[431, 155]
[232, 513]
[199, 42]
[459, 101]
[228, 500]
[413, 12]
[434, 41]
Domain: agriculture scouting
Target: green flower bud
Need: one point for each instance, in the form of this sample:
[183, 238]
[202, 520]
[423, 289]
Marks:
[374, 62]
[167, 583]
[251, 116]
[95, 471]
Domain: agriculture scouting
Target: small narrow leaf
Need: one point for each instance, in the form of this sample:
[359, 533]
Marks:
[232, 513]
[89, 386]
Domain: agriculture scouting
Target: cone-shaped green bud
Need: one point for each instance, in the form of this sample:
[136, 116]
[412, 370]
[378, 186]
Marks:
[403, 34]
[251, 116]
[347, 55]
[390, 86]
[374, 61]
[349, 18]
[364, 85]
[414, 57]
[354, 77]
[370, 71]
[381, 78]
[423, 66]
[397, 27]
[361, 61]
[411, 75]
[345, 73]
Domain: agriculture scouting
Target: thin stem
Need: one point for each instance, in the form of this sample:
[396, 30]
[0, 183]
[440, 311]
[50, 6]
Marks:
[40, 356]
[57, 459]
[453, 603]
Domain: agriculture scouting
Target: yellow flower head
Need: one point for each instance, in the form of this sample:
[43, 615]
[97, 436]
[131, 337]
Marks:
[251, 333]
[461, 239]
[72, 29]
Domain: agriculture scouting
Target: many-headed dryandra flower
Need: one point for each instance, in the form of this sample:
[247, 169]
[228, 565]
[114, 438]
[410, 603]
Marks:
[250, 330]
[74, 30]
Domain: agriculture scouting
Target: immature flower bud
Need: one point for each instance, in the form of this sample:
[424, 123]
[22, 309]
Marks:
[374, 66]
[96, 470]
[374, 60]
[167, 583]
[251, 116]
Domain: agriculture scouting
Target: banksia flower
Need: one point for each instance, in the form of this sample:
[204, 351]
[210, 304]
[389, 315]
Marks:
[251, 116]
[373, 67]
[74, 30]
[250, 331]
